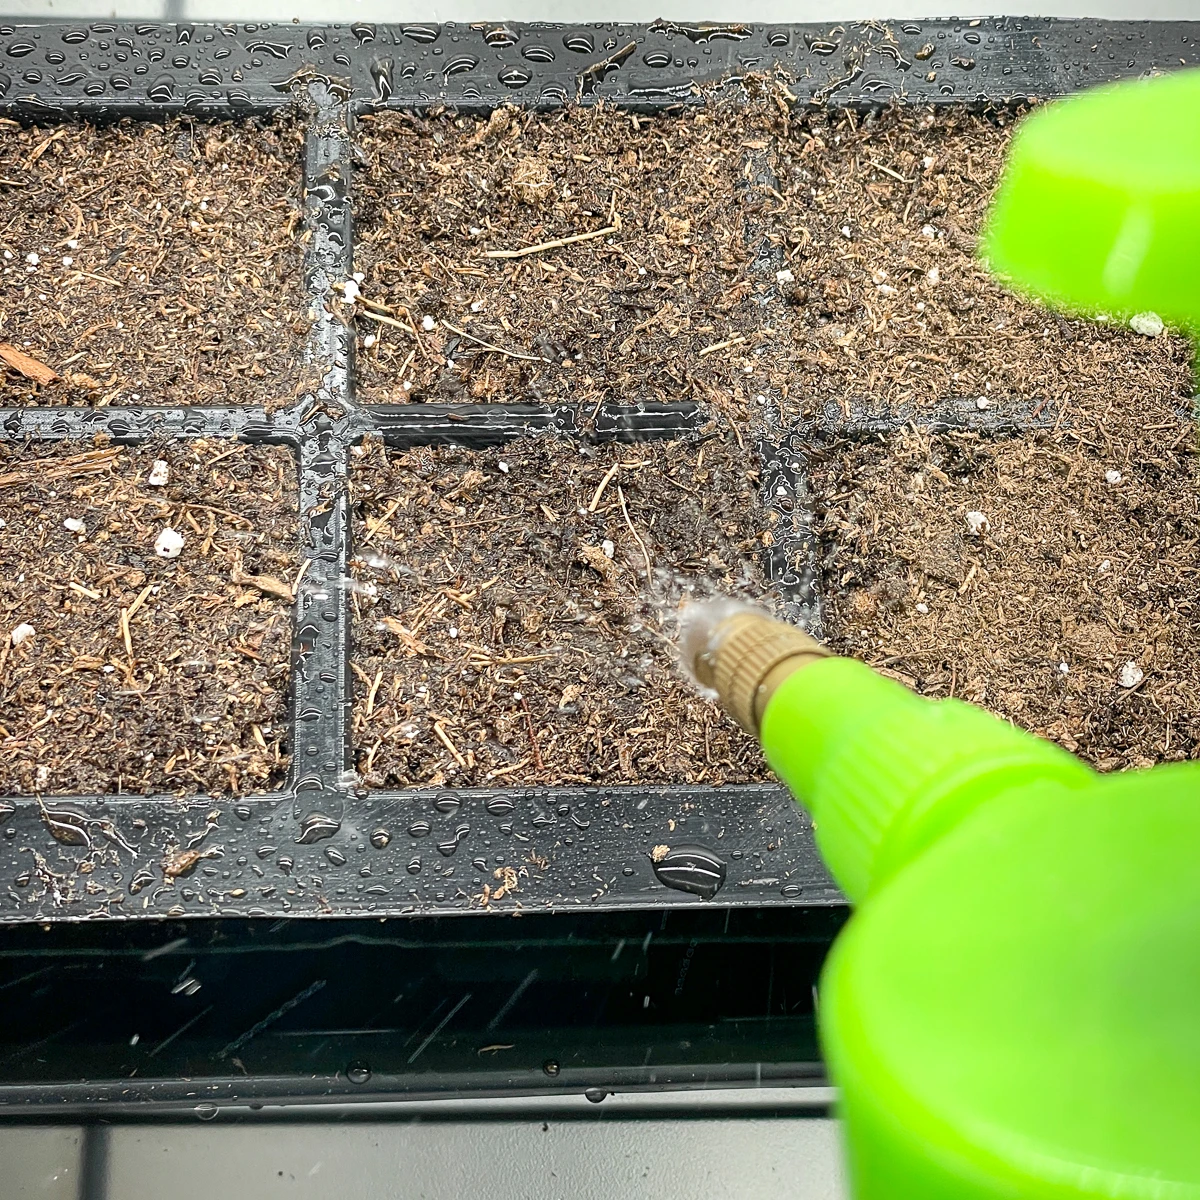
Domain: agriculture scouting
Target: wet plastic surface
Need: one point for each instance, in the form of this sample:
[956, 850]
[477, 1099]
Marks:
[184, 1018]
[325, 846]
[144, 68]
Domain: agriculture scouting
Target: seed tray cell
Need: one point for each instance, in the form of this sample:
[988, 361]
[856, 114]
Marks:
[124, 671]
[325, 843]
[511, 607]
[1071, 613]
[653, 295]
[152, 263]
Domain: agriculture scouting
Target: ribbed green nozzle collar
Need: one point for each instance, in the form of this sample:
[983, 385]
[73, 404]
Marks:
[884, 772]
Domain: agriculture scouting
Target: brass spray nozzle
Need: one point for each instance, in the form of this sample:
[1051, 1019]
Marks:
[743, 655]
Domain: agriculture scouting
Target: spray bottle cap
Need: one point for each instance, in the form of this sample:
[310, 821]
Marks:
[1098, 207]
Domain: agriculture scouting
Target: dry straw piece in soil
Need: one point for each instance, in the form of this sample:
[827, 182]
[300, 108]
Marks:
[125, 671]
[152, 264]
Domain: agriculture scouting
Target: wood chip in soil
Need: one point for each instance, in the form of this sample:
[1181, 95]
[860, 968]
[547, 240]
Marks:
[504, 631]
[661, 301]
[123, 671]
[153, 263]
[1076, 613]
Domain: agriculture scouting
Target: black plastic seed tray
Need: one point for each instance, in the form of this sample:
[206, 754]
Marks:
[324, 845]
[620, 974]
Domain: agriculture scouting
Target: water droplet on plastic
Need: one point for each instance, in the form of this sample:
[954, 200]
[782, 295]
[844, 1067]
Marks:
[358, 1072]
[550, 1067]
[420, 829]
[422, 34]
[501, 35]
[206, 1112]
[790, 891]
[694, 869]
[595, 1095]
[380, 838]
[316, 827]
[515, 77]
[140, 880]
[449, 846]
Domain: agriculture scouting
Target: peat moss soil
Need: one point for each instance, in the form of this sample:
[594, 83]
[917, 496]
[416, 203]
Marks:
[656, 299]
[151, 264]
[830, 257]
[817, 258]
[506, 631]
[1076, 614]
[125, 671]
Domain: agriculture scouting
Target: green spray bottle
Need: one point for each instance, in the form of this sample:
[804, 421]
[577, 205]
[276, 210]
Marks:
[1014, 1008]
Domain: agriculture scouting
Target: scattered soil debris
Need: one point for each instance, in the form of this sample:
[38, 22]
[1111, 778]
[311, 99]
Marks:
[1076, 614]
[504, 631]
[178, 861]
[143, 673]
[586, 253]
[148, 263]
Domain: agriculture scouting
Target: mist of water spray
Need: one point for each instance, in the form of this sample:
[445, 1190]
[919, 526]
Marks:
[685, 612]
[701, 626]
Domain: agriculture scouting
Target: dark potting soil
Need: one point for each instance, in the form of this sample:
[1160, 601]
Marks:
[830, 256]
[654, 296]
[505, 631]
[151, 264]
[1075, 612]
[842, 249]
[125, 671]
